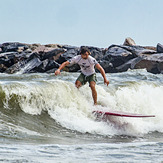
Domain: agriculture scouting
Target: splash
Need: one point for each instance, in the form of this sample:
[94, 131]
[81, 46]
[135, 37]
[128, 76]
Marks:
[72, 108]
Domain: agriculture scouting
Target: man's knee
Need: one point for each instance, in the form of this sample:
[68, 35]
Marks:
[92, 85]
[78, 84]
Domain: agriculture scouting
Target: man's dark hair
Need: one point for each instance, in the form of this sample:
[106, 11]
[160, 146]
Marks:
[84, 49]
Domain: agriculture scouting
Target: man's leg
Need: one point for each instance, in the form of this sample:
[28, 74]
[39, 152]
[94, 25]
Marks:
[94, 92]
[80, 81]
[78, 84]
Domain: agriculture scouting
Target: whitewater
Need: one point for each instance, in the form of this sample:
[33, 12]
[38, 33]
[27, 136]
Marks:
[45, 118]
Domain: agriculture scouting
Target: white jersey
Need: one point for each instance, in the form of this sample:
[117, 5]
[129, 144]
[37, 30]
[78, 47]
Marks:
[86, 65]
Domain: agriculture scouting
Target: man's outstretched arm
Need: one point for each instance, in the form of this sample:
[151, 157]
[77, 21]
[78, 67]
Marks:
[98, 66]
[58, 71]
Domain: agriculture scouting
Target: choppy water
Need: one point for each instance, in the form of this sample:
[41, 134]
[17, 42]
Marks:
[44, 118]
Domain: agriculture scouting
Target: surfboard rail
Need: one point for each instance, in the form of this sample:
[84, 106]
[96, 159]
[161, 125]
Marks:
[121, 114]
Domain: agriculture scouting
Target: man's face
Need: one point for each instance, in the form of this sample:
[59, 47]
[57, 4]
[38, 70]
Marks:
[85, 55]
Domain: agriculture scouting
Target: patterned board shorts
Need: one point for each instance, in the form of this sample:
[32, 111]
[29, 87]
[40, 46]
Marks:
[84, 79]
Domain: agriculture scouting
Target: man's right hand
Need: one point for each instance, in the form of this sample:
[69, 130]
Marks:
[57, 72]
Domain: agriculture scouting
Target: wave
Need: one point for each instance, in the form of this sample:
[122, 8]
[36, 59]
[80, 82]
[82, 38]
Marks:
[70, 108]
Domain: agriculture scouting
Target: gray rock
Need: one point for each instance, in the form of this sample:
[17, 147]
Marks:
[117, 55]
[55, 54]
[153, 63]
[107, 66]
[47, 65]
[70, 53]
[129, 65]
[13, 47]
[159, 48]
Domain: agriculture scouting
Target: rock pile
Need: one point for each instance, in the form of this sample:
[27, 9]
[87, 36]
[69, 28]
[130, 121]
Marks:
[33, 58]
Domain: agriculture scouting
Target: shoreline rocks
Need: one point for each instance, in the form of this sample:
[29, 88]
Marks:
[36, 58]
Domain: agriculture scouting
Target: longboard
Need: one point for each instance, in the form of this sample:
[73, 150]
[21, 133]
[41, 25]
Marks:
[121, 114]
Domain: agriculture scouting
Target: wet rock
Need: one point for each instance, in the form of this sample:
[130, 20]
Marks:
[16, 67]
[137, 50]
[108, 66]
[2, 68]
[97, 53]
[47, 65]
[8, 58]
[152, 63]
[25, 65]
[117, 55]
[159, 48]
[13, 47]
[129, 65]
[70, 53]
[55, 54]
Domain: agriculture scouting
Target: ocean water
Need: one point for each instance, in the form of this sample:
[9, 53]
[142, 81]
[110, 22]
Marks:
[44, 118]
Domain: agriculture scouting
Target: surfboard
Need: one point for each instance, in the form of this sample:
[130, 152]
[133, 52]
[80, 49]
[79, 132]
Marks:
[121, 114]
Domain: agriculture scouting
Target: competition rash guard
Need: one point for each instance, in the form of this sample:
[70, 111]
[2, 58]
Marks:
[86, 65]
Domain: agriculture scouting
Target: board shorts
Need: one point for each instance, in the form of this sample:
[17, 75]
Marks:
[84, 79]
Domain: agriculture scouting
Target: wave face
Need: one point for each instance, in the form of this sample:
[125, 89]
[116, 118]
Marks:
[37, 106]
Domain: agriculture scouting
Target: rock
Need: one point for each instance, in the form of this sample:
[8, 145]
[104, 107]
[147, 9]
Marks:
[2, 68]
[47, 65]
[129, 65]
[16, 67]
[149, 47]
[31, 66]
[152, 63]
[28, 58]
[160, 67]
[42, 49]
[67, 55]
[129, 41]
[138, 50]
[97, 53]
[72, 68]
[25, 65]
[54, 46]
[8, 58]
[13, 47]
[55, 54]
[117, 55]
[159, 48]
[107, 66]
[51, 65]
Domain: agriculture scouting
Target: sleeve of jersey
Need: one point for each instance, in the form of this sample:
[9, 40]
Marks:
[73, 60]
[95, 61]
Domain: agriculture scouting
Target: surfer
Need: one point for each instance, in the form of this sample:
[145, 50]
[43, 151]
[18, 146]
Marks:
[87, 64]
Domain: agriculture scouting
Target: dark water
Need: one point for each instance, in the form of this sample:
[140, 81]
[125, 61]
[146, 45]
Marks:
[44, 118]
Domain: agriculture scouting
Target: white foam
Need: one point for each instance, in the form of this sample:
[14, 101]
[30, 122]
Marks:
[72, 108]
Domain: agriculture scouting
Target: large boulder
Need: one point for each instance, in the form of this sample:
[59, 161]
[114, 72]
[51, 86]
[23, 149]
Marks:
[97, 53]
[70, 53]
[53, 54]
[153, 63]
[47, 66]
[129, 65]
[117, 55]
[107, 66]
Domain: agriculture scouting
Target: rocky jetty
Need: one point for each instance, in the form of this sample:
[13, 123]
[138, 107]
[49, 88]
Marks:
[36, 58]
